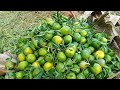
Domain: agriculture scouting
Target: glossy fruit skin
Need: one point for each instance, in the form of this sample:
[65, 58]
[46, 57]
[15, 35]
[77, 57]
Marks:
[56, 26]
[101, 62]
[57, 40]
[85, 54]
[49, 57]
[76, 37]
[69, 52]
[91, 48]
[71, 75]
[107, 58]
[104, 40]
[47, 66]
[99, 54]
[60, 67]
[50, 21]
[42, 51]
[96, 69]
[65, 30]
[67, 39]
[30, 58]
[83, 33]
[41, 60]
[22, 65]
[19, 75]
[35, 64]
[21, 57]
[9, 65]
[82, 40]
[61, 56]
[27, 51]
[83, 65]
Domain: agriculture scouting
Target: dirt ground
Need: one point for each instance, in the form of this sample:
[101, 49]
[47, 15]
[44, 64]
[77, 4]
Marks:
[13, 24]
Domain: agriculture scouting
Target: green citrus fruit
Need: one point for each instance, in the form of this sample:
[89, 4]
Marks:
[96, 68]
[82, 40]
[21, 57]
[27, 51]
[41, 60]
[67, 39]
[50, 21]
[85, 54]
[95, 43]
[47, 66]
[22, 65]
[61, 56]
[101, 62]
[65, 30]
[57, 40]
[69, 52]
[36, 64]
[99, 54]
[76, 37]
[42, 51]
[83, 33]
[56, 26]
[60, 67]
[91, 48]
[107, 58]
[30, 58]
[83, 65]
[19, 75]
[48, 35]
[104, 40]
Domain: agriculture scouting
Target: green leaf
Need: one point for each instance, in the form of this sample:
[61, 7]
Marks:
[38, 76]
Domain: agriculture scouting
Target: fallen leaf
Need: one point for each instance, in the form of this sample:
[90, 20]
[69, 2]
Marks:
[3, 58]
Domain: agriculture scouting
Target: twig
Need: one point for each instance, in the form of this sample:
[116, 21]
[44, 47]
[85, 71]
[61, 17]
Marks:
[73, 14]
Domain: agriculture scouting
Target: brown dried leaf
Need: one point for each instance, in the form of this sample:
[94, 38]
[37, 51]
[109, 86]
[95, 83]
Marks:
[105, 24]
[114, 19]
[3, 58]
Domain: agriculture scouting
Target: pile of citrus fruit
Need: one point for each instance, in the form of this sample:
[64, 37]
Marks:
[62, 48]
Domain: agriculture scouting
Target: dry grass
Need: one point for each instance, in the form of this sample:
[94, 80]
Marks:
[13, 24]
